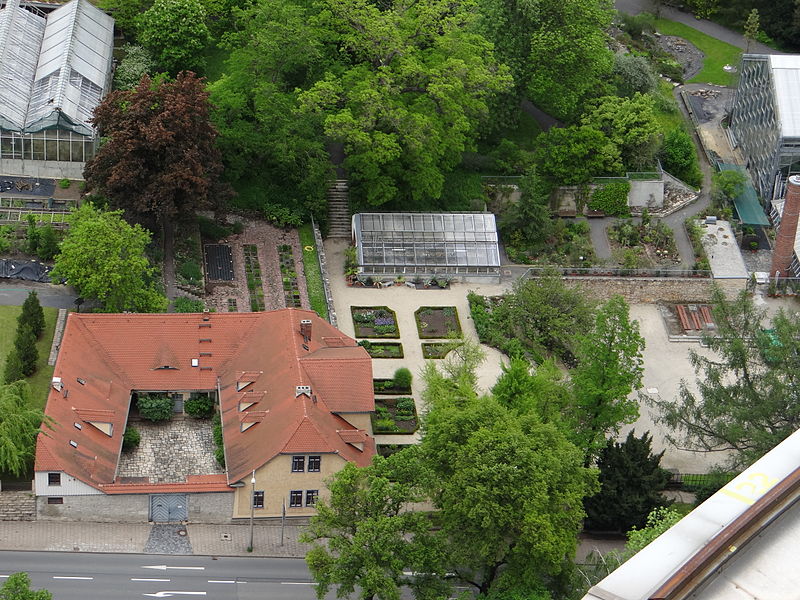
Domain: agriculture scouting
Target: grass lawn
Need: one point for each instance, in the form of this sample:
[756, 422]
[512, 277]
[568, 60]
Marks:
[316, 293]
[717, 53]
[668, 114]
[40, 380]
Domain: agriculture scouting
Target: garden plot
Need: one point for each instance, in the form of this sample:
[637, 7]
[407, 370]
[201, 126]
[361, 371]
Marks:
[375, 322]
[437, 322]
[382, 349]
[395, 415]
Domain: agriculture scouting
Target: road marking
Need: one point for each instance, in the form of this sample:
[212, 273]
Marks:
[148, 579]
[297, 583]
[170, 594]
[4, 576]
[70, 577]
[165, 567]
[221, 581]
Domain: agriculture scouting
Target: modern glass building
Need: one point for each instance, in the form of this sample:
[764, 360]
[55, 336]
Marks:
[454, 244]
[55, 70]
[765, 120]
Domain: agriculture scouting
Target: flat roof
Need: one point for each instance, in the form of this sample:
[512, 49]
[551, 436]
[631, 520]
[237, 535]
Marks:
[723, 252]
[747, 205]
[786, 79]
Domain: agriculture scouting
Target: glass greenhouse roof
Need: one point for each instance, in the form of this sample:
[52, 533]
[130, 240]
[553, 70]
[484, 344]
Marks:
[425, 239]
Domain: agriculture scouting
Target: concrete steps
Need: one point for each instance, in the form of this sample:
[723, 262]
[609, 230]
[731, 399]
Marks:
[339, 218]
[17, 506]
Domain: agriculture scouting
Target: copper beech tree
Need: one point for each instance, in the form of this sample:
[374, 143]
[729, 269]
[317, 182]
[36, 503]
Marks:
[158, 160]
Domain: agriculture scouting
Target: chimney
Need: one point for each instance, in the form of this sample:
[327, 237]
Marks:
[787, 231]
[305, 329]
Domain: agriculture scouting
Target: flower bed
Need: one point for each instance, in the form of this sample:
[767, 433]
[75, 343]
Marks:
[386, 387]
[252, 270]
[375, 322]
[291, 291]
[436, 349]
[383, 349]
[437, 322]
[395, 415]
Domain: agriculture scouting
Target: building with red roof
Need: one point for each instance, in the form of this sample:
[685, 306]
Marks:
[294, 395]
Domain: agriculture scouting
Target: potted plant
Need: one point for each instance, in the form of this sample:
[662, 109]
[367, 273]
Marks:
[399, 280]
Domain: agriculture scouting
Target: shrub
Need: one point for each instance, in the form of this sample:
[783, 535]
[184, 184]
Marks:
[402, 379]
[191, 271]
[216, 432]
[32, 314]
[136, 62]
[188, 305]
[199, 407]
[281, 216]
[634, 74]
[679, 157]
[131, 438]
[405, 405]
[612, 198]
[386, 425]
[238, 227]
[47, 247]
[212, 230]
[13, 371]
[64, 183]
[705, 487]
[155, 408]
[25, 346]
[32, 235]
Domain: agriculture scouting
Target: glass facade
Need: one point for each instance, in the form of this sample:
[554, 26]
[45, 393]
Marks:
[48, 144]
[425, 243]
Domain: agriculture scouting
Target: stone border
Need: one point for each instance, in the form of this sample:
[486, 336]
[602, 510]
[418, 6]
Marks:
[323, 268]
[61, 321]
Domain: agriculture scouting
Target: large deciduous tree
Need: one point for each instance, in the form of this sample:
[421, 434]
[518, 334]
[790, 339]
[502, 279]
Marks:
[748, 386]
[609, 368]
[19, 425]
[103, 257]
[573, 155]
[407, 101]
[158, 160]
[175, 32]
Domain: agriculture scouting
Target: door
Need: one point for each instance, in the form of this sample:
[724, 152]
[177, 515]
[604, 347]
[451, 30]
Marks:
[166, 508]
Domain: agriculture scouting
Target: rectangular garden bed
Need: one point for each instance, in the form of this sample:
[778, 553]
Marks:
[252, 269]
[395, 415]
[291, 291]
[387, 388]
[437, 322]
[383, 349]
[436, 349]
[375, 322]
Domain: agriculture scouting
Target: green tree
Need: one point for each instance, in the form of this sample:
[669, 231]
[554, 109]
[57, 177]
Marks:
[530, 215]
[32, 241]
[159, 161]
[175, 33]
[544, 392]
[410, 101]
[136, 62]
[631, 480]
[573, 155]
[14, 368]
[25, 348]
[748, 387]
[679, 157]
[19, 425]
[18, 587]
[103, 257]
[726, 185]
[365, 536]
[634, 74]
[154, 407]
[630, 124]
[609, 368]
[658, 521]
[32, 314]
[751, 28]
[48, 243]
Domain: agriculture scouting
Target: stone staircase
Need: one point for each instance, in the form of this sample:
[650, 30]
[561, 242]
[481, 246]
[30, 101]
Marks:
[339, 219]
[17, 506]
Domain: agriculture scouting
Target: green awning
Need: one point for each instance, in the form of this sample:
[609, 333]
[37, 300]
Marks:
[746, 203]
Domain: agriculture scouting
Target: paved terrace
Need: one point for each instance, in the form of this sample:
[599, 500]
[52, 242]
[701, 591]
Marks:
[169, 452]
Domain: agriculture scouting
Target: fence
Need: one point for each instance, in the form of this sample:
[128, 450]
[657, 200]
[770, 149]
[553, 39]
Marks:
[323, 268]
[531, 272]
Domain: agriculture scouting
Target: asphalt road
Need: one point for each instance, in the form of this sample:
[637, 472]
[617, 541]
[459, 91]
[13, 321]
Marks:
[83, 576]
[14, 292]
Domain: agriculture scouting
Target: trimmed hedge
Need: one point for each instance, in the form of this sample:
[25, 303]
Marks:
[611, 199]
[155, 408]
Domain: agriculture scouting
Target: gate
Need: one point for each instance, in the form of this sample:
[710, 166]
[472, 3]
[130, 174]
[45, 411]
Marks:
[166, 508]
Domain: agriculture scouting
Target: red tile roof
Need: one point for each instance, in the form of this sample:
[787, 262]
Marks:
[114, 354]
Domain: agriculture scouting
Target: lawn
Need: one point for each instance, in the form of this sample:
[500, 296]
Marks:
[39, 381]
[717, 53]
[316, 292]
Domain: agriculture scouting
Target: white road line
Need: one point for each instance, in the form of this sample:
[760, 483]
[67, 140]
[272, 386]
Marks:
[221, 581]
[4, 576]
[70, 577]
[165, 567]
[297, 583]
[144, 579]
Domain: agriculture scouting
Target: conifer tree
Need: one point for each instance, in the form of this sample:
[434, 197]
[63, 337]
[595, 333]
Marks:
[32, 314]
[13, 371]
[25, 346]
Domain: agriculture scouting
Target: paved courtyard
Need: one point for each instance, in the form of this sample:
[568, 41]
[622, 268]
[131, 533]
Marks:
[169, 452]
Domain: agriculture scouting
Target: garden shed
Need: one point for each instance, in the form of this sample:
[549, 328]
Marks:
[456, 245]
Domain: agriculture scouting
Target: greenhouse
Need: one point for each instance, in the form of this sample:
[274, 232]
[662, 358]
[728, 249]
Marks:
[458, 244]
[55, 69]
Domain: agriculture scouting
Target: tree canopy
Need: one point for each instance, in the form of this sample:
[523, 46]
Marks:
[175, 33]
[747, 387]
[19, 425]
[104, 258]
[158, 160]
[18, 587]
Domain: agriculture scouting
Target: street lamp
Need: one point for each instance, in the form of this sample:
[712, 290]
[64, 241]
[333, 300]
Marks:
[252, 507]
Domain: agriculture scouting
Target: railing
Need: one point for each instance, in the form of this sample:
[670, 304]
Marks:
[611, 272]
[323, 269]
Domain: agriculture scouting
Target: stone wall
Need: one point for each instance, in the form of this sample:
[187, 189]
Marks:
[211, 508]
[643, 290]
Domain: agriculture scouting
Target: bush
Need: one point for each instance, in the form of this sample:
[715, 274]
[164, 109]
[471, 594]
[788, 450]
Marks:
[13, 371]
[155, 408]
[191, 271]
[131, 438]
[136, 62]
[679, 157]
[212, 230]
[25, 347]
[634, 74]
[47, 247]
[405, 405]
[703, 487]
[612, 199]
[402, 379]
[188, 305]
[216, 433]
[199, 407]
[386, 425]
[281, 216]
[64, 183]
[32, 235]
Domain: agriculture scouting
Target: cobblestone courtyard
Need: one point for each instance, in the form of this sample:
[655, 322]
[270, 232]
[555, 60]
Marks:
[169, 452]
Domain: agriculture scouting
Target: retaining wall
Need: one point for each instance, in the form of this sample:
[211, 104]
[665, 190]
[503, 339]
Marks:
[643, 290]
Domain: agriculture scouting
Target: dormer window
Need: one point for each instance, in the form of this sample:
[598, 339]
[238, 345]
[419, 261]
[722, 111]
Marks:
[166, 368]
